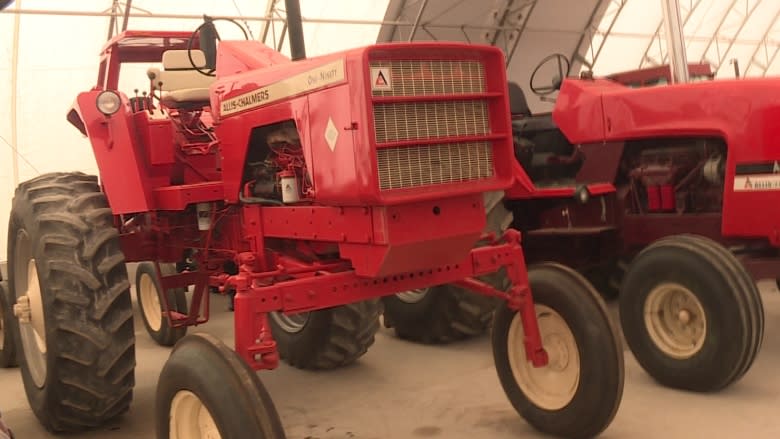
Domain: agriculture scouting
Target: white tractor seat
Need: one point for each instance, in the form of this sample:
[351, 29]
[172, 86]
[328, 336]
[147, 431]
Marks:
[182, 84]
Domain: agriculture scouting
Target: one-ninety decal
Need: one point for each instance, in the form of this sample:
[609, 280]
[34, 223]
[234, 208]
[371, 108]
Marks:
[757, 182]
[380, 79]
[757, 176]
[330, 73]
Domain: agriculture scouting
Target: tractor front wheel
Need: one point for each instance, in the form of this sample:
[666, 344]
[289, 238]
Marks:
[68, 275]
[327, 338]
[7, 328]
[148, 295]
[580, 389]
[191, 403]
[691, 313]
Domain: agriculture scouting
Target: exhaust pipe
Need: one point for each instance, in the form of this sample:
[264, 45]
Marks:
[295, 30]
[675, 41]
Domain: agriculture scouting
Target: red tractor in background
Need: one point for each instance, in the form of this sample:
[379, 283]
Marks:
[306, 186]
[652, 191]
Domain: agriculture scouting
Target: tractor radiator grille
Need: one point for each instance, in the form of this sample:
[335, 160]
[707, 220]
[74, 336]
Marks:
[427, 120]
[407, 167]
[432, 77]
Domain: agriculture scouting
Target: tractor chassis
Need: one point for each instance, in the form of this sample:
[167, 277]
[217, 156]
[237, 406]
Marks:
[323, 285]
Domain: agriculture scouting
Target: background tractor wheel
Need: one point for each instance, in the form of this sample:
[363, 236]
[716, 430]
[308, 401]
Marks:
[579, 391]
[691, 313]
[327, 338]
[191, 403]
[8, 328]
[446, 313]
[147, 290]
[69, 278]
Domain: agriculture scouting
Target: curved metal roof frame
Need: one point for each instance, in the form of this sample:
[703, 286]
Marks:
[724, 33]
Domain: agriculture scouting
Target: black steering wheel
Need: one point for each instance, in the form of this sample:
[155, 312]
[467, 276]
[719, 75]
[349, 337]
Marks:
[207, 37]
[561, 61]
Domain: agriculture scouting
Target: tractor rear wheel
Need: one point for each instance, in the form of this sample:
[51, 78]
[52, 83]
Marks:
[327, 338]
[191, 403]
[580, 389]
[68, 275]
[691, 313]
[7, 328]
[148, 294]
[447, 313]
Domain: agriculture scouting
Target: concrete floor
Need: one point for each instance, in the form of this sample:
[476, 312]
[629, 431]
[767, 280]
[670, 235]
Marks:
[403, 390]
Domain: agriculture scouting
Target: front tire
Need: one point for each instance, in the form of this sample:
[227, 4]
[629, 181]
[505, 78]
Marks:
[327, 338]
[147, 290]
[691, 314]
[191, 403]
[68, 275]
[577, 394]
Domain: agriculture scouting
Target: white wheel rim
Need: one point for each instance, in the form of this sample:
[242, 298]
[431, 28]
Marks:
[553, 386]
[412, 296]
[675, 320]
[190, 419]
[292, 323]
[150, 302]
[29, 300]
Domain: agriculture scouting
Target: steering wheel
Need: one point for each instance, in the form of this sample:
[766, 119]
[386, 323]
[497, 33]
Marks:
[208, 36]
[555, 85]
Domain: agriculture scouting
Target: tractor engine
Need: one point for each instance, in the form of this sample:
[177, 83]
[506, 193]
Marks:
[681, 177]
[281, 175]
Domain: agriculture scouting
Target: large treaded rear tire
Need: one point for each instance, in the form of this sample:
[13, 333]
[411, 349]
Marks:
[64, 223]
[7, 328]
[329, 338]
[721, 317]
[446, 313]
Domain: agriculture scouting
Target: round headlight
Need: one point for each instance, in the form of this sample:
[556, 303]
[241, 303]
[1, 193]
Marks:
[108, 102]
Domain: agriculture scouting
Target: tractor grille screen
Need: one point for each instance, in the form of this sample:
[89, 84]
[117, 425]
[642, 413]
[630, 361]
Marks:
[431, 77]
[407, 167]
[427, 120]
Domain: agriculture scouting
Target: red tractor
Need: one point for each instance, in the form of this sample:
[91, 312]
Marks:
[310, 188]
[651, 192]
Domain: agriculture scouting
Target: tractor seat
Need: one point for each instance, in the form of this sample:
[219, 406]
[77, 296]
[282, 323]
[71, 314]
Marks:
[182, 85]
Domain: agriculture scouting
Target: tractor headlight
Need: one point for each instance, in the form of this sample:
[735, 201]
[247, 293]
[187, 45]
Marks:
[582, 195]
[108, 102]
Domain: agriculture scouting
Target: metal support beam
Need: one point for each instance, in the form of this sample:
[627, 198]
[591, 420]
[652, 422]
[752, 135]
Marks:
[675, 41]
[295, 29]
[647, 60]
[126, 18]
[754, 63]
[270, 8]
[524, 12]
[613, 10]
[598, 38]
[417, 19]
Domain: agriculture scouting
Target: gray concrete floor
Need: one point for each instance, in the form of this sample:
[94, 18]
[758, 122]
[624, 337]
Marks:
[402, 390]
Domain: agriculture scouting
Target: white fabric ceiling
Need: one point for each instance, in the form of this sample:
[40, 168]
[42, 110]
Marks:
[58, 54]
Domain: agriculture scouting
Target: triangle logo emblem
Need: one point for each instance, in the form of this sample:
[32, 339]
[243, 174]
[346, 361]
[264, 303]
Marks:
[380, 79]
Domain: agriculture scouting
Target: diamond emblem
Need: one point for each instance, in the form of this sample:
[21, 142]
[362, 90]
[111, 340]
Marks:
[331, 134]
